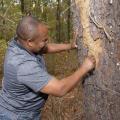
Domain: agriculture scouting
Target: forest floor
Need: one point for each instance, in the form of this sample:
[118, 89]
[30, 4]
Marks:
[69, 107]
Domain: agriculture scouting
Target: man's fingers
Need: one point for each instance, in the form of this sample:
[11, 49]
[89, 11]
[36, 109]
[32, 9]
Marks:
[75, 34]
[76, 46]
[92, 58]
[74, 40]
[75, 37]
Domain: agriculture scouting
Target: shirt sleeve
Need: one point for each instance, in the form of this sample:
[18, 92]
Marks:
[32, 75]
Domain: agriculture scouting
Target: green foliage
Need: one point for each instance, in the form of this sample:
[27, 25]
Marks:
[45, 10]
[3, 47]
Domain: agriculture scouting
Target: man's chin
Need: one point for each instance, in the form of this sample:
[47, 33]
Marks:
[40, 51]
[37, 52]
[43, 48]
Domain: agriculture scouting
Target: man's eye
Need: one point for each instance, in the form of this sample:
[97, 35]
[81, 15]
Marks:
[46, 40]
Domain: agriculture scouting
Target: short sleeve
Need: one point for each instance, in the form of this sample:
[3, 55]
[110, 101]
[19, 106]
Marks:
[31, 74]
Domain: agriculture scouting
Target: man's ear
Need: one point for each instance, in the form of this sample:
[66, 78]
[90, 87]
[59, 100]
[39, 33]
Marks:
[30, 43]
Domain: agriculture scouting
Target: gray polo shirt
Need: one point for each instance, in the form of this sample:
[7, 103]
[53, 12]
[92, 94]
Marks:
[24, 76]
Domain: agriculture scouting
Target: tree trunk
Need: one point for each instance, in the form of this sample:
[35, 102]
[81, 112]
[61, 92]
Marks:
[45, 11]
[69, 19]
[98, 22]
[22, 7]
[58, 22]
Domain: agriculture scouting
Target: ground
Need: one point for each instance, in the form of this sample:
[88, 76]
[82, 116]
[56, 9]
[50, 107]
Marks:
[69, 107]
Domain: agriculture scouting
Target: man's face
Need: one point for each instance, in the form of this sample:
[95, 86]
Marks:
[41, 41]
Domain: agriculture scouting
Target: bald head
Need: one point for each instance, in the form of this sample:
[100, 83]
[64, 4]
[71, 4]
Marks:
[27, 28]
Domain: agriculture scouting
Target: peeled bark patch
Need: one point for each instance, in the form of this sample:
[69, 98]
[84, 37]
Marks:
[93, 45]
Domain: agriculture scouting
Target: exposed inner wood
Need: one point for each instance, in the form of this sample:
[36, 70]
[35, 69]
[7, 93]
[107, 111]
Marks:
[94, 46]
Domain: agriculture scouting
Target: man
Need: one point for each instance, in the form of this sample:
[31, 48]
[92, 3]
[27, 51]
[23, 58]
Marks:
[26, 83]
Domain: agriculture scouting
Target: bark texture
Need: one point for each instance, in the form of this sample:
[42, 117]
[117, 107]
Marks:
[98, 22]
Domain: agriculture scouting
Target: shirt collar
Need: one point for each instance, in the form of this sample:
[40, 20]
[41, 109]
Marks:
[17, 43]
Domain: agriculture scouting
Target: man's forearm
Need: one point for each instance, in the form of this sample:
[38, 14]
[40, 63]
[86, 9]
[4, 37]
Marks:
[61, 87]
[53, 48]
[70, 82]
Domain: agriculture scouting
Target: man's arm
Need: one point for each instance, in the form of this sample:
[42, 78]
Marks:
[61, 87]
[54, 48]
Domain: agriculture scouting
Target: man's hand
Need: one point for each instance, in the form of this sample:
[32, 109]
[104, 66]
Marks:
[74, 42]
[89, 63]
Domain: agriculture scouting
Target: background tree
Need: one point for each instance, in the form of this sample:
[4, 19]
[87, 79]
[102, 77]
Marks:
[58, 21]
[69, 19]
[99, 26]
[22, 6]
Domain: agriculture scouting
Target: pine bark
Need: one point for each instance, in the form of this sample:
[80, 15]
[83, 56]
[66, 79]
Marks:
[98, 22]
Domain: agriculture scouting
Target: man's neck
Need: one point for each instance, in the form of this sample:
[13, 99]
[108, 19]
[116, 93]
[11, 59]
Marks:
[23, 44]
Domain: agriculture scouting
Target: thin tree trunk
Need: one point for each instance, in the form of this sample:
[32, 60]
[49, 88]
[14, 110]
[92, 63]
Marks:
[22, 6]
[45, 11]
[69, 19]
[98, 22]
[37, 8]
[58, 22]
